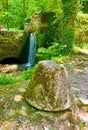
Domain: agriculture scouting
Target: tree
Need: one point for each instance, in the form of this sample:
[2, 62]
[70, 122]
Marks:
[35, 7]
[13, 13]
[4, 16]
[68, 24]
[85, 6]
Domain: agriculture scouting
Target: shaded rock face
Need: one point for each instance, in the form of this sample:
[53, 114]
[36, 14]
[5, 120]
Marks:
[49, 88]
[12, 44]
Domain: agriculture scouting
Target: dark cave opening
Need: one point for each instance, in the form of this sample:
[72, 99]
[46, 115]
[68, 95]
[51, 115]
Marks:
[11, 60]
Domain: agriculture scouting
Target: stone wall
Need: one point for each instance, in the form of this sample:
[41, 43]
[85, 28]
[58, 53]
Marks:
[13, 44]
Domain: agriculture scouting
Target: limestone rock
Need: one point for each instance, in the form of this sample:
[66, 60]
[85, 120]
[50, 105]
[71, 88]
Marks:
[12, 44]
[49, 87]
[83, 101]
[83, 117]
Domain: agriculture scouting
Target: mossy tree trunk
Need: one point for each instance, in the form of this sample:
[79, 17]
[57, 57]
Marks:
[68, 24]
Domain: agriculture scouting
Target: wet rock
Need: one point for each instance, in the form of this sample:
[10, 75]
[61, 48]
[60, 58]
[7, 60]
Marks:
[49, 88]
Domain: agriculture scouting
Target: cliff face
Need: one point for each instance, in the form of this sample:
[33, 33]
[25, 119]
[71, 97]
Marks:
[13, 44]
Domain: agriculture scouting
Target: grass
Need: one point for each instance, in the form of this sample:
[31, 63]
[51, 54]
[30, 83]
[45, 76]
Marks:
[5, 79]
[79, 104]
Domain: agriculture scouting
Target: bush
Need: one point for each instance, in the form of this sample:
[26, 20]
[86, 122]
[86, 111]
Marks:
[48, 53]
[5, 79]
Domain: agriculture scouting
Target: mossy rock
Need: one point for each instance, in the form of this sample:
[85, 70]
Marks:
[49, 88]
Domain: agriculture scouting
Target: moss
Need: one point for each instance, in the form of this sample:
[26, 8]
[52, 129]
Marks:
[81, 32]
[79, 104]
[81, 125]
[12, 44]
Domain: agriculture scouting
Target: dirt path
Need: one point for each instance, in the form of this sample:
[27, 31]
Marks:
[16, 114]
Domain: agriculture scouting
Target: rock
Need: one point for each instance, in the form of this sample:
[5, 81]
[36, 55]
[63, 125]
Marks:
[83, 101]
[47, 127]
[83, 117]
[13, 44]
[49, 87]
[18, 98]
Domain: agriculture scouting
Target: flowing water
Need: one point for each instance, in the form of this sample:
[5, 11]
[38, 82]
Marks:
[32, 51]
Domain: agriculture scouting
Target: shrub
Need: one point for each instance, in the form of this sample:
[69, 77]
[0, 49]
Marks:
[5, 79]
[48, 53]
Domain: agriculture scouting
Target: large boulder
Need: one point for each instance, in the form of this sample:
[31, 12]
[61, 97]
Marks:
[13, 44]
[49, 87]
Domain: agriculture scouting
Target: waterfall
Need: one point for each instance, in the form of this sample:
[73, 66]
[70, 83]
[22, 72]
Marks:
[32, 51]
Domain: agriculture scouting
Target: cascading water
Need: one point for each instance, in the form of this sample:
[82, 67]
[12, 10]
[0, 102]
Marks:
[32, 51]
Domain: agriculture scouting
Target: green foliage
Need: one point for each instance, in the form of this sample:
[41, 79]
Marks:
[68, 25]
[84, 6]
[67, 41]
[5, 79]
[40, 38]
[81, 125]
[79, 104]
[33, 109]
[48, 31]
[81, 32]
[50, 52]
[60, 16]
[14, 13]
[82, 19]
[35, 7]
[28, 73]
[51, 33]
[82, 45]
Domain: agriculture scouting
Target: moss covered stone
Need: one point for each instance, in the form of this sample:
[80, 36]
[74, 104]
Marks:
[49, 87]
[12, 44]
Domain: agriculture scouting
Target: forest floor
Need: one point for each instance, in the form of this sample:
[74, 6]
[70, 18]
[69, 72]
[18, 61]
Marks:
[16, 114]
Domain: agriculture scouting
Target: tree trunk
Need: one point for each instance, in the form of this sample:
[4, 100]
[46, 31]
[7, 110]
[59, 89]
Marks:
[68, 25]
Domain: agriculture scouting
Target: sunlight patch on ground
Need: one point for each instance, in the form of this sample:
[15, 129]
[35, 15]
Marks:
[22, 90]
[84, 51]
[84, 101]
[83, 117]
[77, 70]
[22, 111]
[18, 98]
